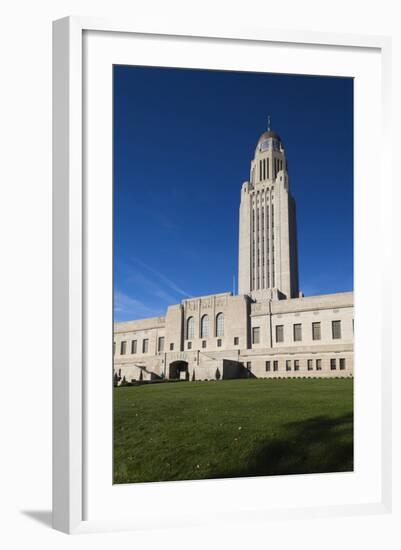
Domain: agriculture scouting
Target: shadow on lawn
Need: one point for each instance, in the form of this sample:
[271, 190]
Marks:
[316, 445]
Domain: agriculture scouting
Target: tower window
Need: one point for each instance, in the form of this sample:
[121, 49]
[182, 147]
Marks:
[220, 324]
[279, 333]
[256, 335]
[316, 334]
[336, 329]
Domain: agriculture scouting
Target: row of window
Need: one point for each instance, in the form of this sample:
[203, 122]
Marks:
[260, 195]
[311, 364]
[160, 345]
[264, 168]
[297, 332]
[258, 260]
[204, 328]
[134, 346]
[219, 343]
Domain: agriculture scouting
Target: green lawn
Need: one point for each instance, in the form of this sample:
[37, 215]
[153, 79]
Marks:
[231, 428]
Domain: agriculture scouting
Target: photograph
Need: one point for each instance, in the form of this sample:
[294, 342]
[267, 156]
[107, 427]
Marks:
[233, 274]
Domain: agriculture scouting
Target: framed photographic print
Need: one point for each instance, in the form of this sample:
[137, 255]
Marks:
[219, 268]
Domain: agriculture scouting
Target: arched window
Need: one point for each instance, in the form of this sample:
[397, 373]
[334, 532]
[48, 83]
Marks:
[190, 328]
[219, 324]
[205, 326]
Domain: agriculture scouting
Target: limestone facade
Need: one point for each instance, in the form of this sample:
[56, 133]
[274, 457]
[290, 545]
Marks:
[269, 329]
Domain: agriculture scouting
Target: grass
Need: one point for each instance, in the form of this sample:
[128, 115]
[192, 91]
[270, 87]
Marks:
[232, 428]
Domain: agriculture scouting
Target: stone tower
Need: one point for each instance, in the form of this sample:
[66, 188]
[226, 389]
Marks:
[268, 258]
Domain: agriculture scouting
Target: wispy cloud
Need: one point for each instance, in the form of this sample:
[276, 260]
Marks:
[167, 297]
[163, 279]
[125, 305]
[143, 291]
[148, 285]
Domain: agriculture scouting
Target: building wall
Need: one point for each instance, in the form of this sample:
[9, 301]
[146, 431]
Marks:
[237, 345]
[244, 251]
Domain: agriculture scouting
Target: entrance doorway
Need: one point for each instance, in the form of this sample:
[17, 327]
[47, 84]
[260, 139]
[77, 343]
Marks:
[179, 370]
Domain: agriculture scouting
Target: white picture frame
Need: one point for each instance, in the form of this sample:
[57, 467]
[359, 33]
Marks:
[71, 309]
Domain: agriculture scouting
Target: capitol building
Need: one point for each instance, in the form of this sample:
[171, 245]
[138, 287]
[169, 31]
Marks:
[269, 329]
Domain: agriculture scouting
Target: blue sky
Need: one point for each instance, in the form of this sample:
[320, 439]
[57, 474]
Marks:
[183, 142]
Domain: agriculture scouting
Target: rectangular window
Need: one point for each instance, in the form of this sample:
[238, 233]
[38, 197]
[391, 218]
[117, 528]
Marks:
[203, 343]
[296, 364]
[189, 345]
[288, 365]
[316, 334]
[310, 364]
[256, 335]
[342, 364]
[114, 348]
[275, 365]
[333, 365]
[145, 346]
[219, 343]
[236, 341]
[249, 365]
[123, 348]
[318, 364]
[297, 333]
[171, 346]
[133, 346]
[336, 329]
[279, 333]
[160, 345]
[267, 365]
